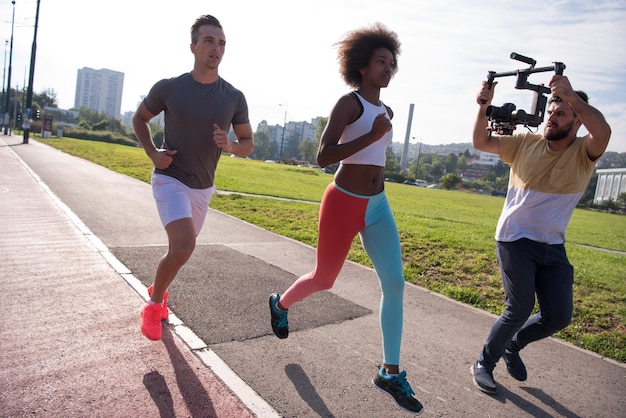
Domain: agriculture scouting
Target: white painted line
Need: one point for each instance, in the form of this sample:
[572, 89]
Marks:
[248, 396]
[119, 267]
[189, 337]
[245, 393]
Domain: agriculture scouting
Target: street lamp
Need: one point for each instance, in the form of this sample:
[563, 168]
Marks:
[4, 72]
[282, 140]
[29, 93]
[8, 96]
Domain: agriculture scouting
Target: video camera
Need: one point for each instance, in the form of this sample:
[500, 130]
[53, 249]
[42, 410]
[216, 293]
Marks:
[503, 119]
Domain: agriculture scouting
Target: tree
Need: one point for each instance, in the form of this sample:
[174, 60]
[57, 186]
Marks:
[588, 195]
[157, 133]
[308, 150]
[262, 145]
[438, 168]
[621, 200]
[115, 125]
[502, 182]
[93, 121]
[610, 204]
[274, 151]
[502, 169]
[461, 163]
[100, 126]
[321, 125]
[392, 164]
[490, 176]
[291, 147]
[46, 98]
[450, 181]
[88, 117]
[418, 170]
[451, 163]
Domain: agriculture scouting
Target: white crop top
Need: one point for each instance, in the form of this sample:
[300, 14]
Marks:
[375, 153]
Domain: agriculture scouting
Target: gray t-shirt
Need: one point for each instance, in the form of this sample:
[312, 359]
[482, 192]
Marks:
[191, 109]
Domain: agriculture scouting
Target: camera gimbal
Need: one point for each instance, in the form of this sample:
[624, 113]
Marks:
[503, 119]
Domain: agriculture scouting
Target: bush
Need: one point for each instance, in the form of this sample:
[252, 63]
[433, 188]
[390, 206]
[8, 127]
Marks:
[99, 136]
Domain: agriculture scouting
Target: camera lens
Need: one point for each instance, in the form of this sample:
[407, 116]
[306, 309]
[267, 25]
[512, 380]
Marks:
[500, 113]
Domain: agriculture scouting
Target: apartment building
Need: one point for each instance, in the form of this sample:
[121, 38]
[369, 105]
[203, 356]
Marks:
[100, 91]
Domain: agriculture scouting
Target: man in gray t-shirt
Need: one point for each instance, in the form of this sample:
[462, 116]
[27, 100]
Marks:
[200, 107]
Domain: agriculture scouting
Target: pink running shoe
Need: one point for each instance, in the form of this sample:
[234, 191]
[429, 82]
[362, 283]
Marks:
[165, 314]
[151, 325]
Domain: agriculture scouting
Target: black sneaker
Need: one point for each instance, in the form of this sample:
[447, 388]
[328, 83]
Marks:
[483, 378]
[280, 326]
[399, 388]
[515, 365]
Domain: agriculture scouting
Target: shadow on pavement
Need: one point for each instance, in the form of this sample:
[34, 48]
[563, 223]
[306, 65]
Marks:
[306, 390]
[193, 392]
[505, 396]
[160, 393]
[549, 400]
[195, 396]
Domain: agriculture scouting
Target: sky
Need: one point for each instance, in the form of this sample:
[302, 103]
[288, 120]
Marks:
[281, 53]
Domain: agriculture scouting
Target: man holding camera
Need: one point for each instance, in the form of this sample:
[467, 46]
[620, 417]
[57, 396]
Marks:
[549, 173]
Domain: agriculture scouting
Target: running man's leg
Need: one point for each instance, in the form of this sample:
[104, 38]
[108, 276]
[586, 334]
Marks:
[182, 211]
[518, 262]
[181, 236]
[554, 287]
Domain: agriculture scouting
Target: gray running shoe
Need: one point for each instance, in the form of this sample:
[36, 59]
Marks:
[515, 365]
[483, 378]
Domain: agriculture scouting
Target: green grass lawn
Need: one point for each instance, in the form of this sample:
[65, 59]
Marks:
[447, 236]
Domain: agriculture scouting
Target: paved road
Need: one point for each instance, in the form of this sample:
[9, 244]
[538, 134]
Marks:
[80, 244]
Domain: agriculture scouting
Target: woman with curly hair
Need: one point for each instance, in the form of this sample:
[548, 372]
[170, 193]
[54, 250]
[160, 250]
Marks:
[357, 135]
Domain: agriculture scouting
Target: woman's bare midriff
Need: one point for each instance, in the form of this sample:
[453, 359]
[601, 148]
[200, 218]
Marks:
[366, 180]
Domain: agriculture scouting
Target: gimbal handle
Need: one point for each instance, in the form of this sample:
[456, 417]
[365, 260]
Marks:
[522, 75]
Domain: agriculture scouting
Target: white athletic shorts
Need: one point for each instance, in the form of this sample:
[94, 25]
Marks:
[175, 200]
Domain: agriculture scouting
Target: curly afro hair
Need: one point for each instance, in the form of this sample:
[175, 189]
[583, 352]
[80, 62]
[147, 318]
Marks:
[358, 46]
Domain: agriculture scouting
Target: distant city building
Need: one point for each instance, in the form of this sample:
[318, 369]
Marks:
[478, 168]
[488, 158]
[100, 91]
[127, 119]
[296, 130]
[611, 183]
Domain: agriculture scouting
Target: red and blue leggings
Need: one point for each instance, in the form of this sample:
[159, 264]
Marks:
[342, 216]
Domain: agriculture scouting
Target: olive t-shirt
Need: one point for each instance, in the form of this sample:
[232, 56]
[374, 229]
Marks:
[191, 109]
